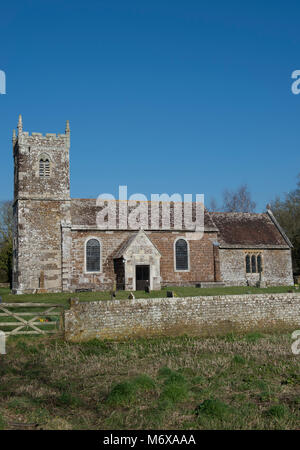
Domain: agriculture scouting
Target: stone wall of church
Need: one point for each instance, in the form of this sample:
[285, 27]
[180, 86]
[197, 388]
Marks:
[210, 315]
[27, 153]
[200, 254]
[276, 267]
[40, 204]
[37, 261]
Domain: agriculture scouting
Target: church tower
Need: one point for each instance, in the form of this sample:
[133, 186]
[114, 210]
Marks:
[41, 205]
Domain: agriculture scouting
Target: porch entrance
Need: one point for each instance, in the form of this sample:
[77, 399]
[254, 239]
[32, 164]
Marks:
[142, 277]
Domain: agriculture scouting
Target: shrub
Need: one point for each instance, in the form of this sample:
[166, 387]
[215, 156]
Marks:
[174, 393]
[95, 347]
[278, 411]
[165, 372]
[213, 408]
[66, 399]
[126, 392]
[122, 393]
[238, 359]
[2, 422]
[175, 387]
[144, 382]
[253, 337]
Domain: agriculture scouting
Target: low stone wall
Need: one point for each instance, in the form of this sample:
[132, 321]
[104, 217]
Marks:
[211, 315]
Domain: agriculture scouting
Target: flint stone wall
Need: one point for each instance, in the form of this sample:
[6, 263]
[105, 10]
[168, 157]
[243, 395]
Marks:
[276, 263]
[211, 315]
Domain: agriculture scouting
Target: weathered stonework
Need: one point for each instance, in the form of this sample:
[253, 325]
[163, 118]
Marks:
[122, 319]
[51, 231]
[39, 206]
[276, 267]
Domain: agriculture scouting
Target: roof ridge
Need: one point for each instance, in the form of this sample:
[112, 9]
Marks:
[237, 212]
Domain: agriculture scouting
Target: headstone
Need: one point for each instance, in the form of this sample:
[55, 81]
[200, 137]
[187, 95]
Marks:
[297, 279]
[170, 294]
[74, 301]
[83, 290]
[42, 280]
[2, 343]
[261, 283]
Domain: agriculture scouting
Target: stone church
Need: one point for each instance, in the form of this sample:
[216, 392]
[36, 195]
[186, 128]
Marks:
[58, 246]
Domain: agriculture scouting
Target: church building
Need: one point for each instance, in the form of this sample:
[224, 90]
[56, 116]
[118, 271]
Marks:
[58, 245]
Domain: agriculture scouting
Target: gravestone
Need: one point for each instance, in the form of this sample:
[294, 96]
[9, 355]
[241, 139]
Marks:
[170, 294]
[2, 343]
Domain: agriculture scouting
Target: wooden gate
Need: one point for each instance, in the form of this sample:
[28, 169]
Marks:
[31, 318]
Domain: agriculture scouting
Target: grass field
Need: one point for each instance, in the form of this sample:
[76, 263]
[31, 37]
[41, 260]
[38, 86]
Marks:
[233, 382]
[62, 298]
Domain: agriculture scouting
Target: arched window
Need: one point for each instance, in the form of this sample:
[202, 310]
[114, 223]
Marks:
[92, 258]
[181, 255]
[253, 263]
[248, 266]
[259, 264]
[44, 168]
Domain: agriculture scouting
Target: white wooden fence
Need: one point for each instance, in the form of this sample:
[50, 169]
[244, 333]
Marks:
[31, 318]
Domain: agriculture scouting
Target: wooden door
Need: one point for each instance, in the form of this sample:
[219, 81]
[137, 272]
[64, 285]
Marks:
[142, 277]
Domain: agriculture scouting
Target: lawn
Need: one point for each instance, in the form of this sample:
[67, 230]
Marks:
[62, 298]
[246, 381]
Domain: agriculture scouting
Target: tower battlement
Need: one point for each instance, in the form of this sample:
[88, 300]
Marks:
[41, 164]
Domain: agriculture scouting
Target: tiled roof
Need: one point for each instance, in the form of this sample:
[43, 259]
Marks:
[84, 213]
[248, 230]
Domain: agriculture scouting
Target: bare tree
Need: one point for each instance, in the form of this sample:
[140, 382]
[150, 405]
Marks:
[6, 224]
[287, 212]
[239, 200]
[212, 206]
[6, 220]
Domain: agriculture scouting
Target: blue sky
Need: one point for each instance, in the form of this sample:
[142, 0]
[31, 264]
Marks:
[162, 96]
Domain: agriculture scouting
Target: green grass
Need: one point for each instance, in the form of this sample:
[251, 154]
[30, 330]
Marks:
[2, 423]
[213, 408]
[126, 393]
[248, 381]
[277, 411]
[62, 298]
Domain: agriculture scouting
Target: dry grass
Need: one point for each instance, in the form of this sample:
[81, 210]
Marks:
[234, 382]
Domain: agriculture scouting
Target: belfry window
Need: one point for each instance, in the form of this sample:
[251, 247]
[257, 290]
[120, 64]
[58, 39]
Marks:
[92, 255]
[44, 168]
[181, 255]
